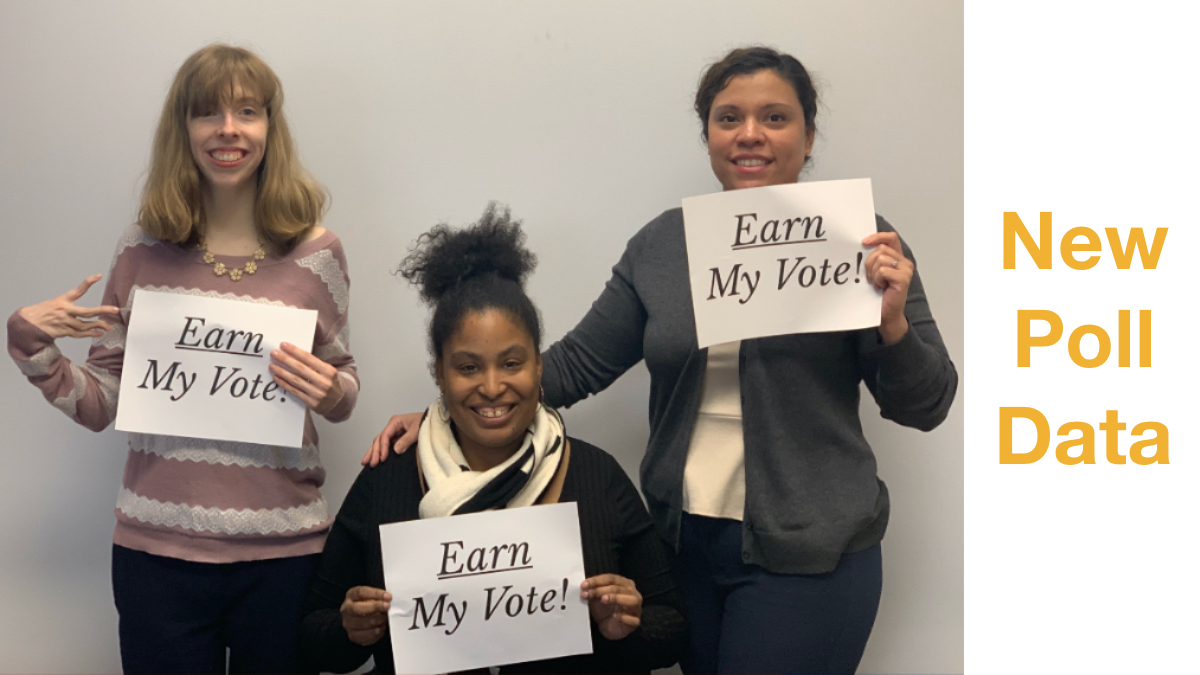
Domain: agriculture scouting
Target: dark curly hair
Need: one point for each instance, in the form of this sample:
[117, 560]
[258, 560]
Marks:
[481, 266]
[750, 60]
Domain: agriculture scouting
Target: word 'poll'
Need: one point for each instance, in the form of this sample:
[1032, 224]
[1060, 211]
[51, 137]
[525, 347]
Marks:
[1026, 340]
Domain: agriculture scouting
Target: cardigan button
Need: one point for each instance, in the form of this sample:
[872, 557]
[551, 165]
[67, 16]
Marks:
[746, 556]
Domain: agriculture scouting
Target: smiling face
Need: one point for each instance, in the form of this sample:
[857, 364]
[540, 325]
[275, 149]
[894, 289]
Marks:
[229, 140]
[756, 132]
[490, 374]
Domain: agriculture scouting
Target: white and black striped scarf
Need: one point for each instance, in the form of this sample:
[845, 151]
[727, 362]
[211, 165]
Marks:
[455, 489]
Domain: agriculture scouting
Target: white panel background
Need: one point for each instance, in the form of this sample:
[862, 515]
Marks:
[1086, 111]
[578, 115]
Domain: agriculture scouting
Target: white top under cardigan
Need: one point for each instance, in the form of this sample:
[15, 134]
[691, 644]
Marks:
[714, 477]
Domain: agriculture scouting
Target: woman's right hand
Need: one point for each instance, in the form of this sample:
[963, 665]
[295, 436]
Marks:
[408, 423]
[60, 317]
[614, 604]
[364, 614]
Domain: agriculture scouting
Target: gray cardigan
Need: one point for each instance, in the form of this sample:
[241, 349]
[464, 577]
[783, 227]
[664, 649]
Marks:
[811, 488]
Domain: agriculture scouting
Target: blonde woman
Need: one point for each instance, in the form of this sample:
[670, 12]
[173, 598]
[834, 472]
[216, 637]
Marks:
[215, 541]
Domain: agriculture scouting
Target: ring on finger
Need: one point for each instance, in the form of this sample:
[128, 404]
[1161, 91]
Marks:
[895, 264]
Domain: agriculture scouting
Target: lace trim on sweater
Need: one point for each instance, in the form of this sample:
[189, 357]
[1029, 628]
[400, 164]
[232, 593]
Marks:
[323, 264]
[196, 292]
[131, 236]
[68, 403]
[226, 453]
[223, 521]
[39, 364]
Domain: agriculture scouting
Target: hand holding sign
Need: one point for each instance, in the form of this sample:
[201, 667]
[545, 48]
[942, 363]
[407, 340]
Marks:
[364, 614]
[306, 377]
[614, 604]
[60, 317]
[891, 272]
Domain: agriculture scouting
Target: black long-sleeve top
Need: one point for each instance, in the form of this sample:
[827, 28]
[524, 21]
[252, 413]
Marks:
[617, 535]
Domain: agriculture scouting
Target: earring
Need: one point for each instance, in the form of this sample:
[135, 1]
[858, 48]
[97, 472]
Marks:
[443, 414]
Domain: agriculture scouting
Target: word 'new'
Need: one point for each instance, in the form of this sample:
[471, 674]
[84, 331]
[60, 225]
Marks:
[1041, 250]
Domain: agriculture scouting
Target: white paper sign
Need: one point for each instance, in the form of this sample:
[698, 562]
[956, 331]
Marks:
[485, 589]
[781, 259]
[197, 367]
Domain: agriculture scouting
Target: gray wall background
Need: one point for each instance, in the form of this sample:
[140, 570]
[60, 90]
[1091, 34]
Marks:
[578, 115]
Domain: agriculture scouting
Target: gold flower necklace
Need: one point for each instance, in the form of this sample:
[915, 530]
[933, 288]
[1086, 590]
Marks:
[235, 274]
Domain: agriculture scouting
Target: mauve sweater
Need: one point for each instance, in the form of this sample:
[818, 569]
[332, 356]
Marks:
[192, 498]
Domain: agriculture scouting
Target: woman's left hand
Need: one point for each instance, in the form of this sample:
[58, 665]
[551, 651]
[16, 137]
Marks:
[614, 603]
[891, 272]
[306, 377]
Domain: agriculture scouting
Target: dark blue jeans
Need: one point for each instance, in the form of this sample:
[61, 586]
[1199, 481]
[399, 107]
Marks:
[745, 619]
[178, 616]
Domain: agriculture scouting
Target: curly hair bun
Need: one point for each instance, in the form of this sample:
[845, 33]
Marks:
[444, 258]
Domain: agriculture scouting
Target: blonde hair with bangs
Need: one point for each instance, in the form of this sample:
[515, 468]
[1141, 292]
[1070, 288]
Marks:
[289, 201]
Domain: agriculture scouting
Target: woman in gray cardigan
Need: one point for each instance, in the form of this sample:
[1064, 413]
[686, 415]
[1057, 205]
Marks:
[757, 473]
